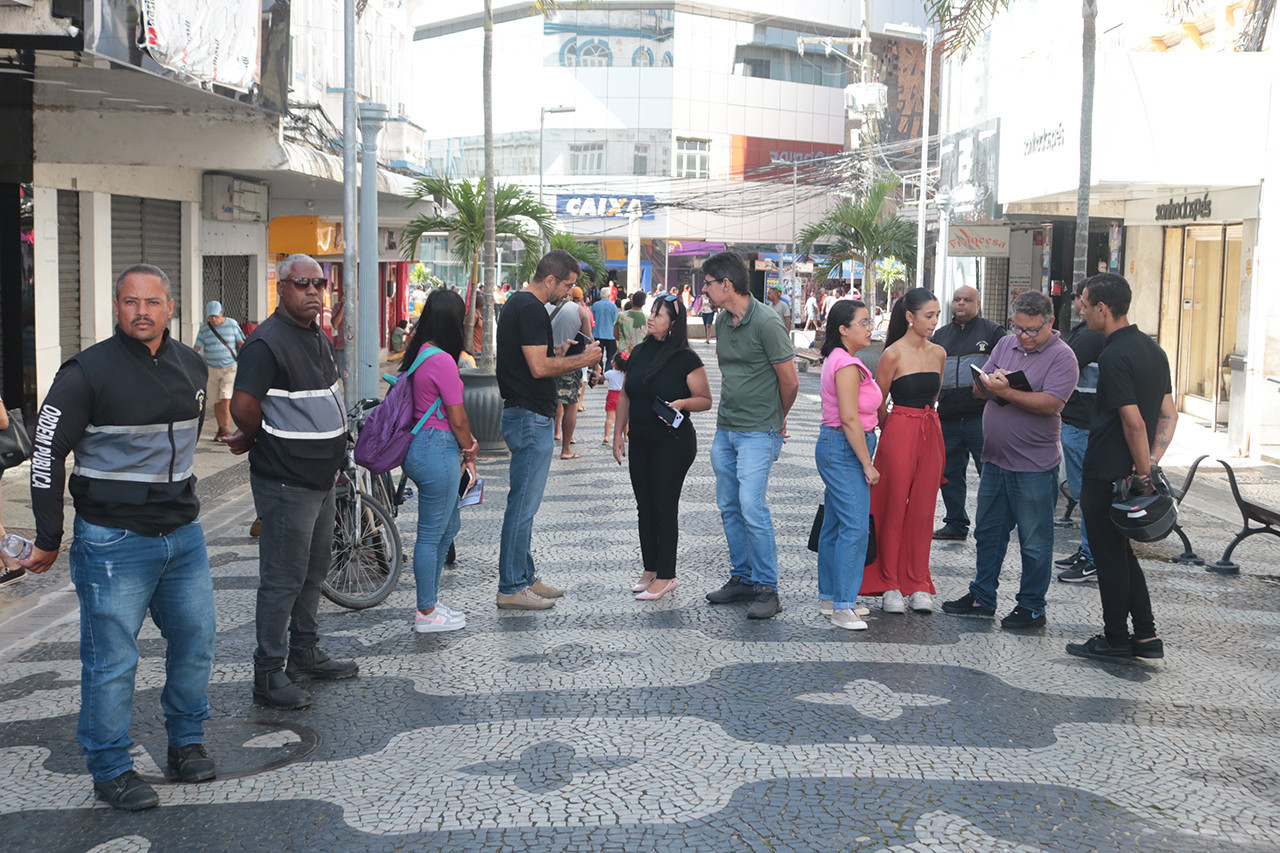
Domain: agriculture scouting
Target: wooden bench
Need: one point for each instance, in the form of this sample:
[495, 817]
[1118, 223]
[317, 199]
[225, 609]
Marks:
[1252, 512]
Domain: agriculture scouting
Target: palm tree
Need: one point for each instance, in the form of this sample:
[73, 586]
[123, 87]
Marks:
[516, 213]
[865, 230]
[963, 21]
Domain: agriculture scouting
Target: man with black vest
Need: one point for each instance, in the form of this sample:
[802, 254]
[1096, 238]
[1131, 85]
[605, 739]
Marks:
[288, 407]
[968, 339]
[131, 408]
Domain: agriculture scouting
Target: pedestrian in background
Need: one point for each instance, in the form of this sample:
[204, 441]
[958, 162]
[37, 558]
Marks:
[292, 423]
[910, 457]
[1076, 417]
[758, 387]
[1020, 459]
[846, 441]
[663, 373]
[131, 408]
[969, 340]
[569, 318]
[433, 458]
[10, 571]
[218, 342]
[526, 370]
[632, 324]
[615, 377]
[605, 316]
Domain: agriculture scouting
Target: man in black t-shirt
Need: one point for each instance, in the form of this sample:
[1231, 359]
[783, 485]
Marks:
[1129, 434]
[527, 367]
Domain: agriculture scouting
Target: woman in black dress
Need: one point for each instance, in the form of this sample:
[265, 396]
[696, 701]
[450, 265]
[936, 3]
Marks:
[662, 373]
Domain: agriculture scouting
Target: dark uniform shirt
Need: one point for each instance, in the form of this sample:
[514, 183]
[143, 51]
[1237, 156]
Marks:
[1132, 371]
[971, 343]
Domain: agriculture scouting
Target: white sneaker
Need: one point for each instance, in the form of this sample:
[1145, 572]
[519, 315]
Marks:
[921, 602]
[449, 611]
[892, 602]
[847, 619]
[437, 620]
[825, 607]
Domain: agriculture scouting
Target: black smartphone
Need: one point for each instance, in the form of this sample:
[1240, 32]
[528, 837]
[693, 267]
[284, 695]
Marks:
[579, 345]
[466, 483]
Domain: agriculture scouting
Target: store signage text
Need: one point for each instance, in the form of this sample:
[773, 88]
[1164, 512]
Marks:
[990, 241]
[604, 206]
[1045, 140]
[1188, 208]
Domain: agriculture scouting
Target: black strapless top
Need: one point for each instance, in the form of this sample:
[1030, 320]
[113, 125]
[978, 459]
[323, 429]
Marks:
[916, 390]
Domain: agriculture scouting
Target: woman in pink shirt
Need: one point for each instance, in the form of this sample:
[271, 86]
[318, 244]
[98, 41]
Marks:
[846, 440]
[441, 452]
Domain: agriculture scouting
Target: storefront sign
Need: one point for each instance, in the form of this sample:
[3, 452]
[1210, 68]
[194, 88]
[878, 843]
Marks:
[978, 241]
[604, 206]
[1188, 208]
[1044, 140]
[751, 158]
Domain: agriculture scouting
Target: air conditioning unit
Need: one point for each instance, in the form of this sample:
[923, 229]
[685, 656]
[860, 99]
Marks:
[865, 98]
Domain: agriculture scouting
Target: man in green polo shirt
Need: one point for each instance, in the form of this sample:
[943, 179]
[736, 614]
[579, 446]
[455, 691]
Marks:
[758, 384]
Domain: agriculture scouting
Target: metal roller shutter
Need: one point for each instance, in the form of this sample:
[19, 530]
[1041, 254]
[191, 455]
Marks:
[68, 272]
[226, 279]
[148, 231]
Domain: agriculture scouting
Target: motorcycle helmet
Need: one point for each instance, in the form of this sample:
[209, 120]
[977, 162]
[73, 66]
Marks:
[1144, 518]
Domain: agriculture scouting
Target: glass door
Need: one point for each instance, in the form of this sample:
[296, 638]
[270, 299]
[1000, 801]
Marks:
[1227, 341]
[1200, 322]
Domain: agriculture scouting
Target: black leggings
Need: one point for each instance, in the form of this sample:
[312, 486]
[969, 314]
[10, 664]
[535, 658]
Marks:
[658, 465]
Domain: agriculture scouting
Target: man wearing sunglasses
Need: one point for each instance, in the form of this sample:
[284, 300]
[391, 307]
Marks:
[1020, 457]
[293, 424]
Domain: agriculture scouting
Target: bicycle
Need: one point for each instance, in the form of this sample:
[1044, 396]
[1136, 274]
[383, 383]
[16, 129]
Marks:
[367, 555]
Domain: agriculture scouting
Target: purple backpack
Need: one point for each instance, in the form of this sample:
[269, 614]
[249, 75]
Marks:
[389, 429]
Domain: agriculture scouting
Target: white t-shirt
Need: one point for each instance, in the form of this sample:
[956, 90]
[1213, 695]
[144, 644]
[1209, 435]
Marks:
[615, 379]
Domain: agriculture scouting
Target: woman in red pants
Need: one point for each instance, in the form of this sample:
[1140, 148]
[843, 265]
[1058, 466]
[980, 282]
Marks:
[910, 457]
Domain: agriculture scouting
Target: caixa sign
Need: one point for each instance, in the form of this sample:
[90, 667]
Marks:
[604, 206]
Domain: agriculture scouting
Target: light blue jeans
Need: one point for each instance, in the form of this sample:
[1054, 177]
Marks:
[432, 463]
[1074, 441]
[531, 439]
[119, 576]
[842, 546]
[742, 461]
[1005, 499]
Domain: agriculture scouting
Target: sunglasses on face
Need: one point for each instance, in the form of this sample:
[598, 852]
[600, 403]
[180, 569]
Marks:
[304, 283]
[668, 297]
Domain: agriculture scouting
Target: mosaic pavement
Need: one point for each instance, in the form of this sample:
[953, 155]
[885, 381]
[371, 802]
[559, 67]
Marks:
[611, 724]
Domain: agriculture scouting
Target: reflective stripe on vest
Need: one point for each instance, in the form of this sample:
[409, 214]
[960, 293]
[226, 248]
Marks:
[956, 373]
[1088, 382]
[313, 414]
[138, 453]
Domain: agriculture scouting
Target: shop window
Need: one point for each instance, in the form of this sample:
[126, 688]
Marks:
[642, 58]
[640, 164]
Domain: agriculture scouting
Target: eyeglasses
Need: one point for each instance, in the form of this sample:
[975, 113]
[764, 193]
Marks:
[709, 281]
[1028, 333]
[865, 323]
[304, 283]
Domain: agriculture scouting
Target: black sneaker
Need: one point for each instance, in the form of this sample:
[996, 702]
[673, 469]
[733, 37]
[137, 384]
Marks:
[967, 605]
[1066, 562]
[766, 606]
[8, 576]
[734, 589]
[191, 763]
[1098, 648]
[1152, 649]
[127, 792]
[948, 533]
[1020, 617]
[1081, 571]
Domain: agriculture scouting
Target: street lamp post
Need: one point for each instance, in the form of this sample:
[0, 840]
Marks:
[542, 121]
[795, 166]
[927, 35]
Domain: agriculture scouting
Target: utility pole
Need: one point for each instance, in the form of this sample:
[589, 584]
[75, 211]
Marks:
[350, 297]
[371, 118]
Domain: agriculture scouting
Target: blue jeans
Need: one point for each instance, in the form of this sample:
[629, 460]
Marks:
[295, 552]
[531, 439]
[1074, 441]
[962, 440]
[842, 546]
[1007, 498]
[432, 463]
[742, 461]
[119, 576]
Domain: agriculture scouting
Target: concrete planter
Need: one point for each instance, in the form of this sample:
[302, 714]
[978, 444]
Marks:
[483, 403]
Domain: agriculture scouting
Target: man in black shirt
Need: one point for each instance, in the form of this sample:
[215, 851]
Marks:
[968, 339]
[131, 408]
[1076, 416]
[293, 424]
[1129, 434]
[527, 367]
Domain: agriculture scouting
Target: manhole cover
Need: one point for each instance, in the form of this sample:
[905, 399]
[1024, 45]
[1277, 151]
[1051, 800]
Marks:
[239, 747]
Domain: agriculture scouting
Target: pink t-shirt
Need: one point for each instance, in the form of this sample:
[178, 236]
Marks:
[437, 377]
[869, 396]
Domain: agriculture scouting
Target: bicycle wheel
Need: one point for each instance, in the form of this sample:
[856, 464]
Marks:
[366, 554]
